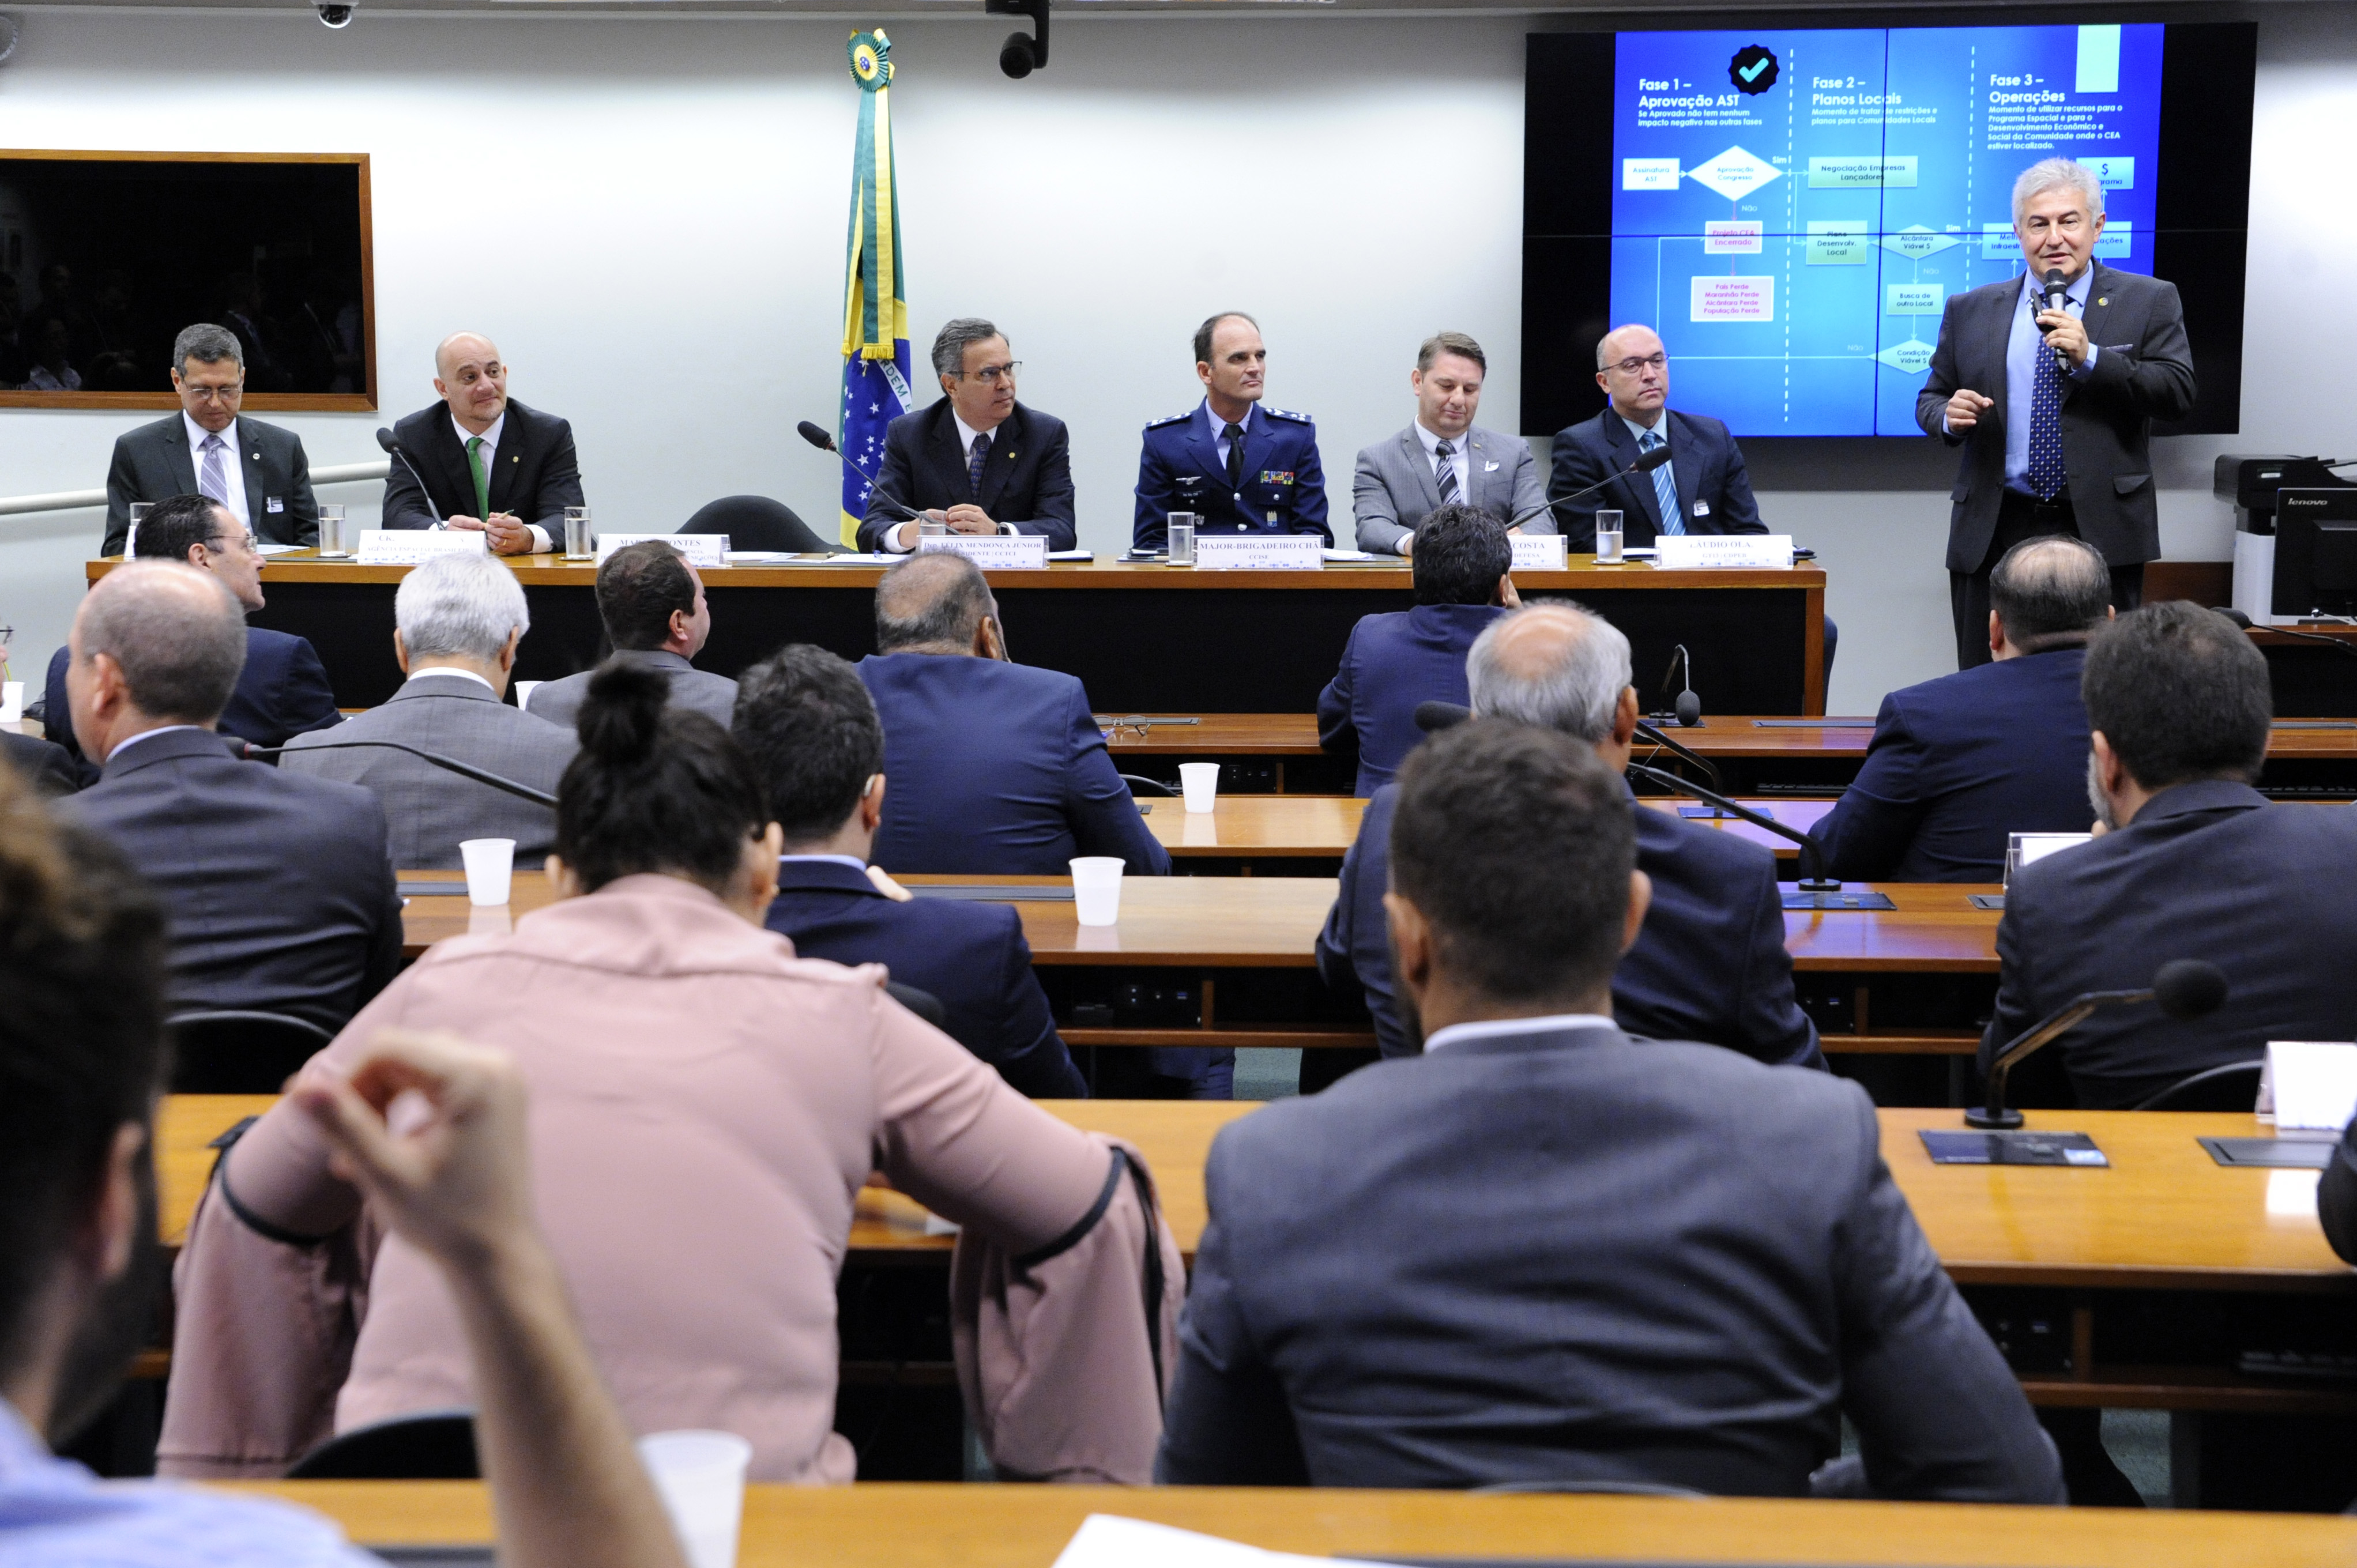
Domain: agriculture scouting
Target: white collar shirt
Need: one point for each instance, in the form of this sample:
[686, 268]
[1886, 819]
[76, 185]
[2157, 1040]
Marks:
[232, 465]
[1488, 1029]
[1460, 458]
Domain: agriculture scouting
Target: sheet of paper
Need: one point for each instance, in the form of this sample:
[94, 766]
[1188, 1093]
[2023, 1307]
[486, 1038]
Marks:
[1109, 1541]
[278, 548]
[1347, 555]
[1072, 554]
[2310, 1085]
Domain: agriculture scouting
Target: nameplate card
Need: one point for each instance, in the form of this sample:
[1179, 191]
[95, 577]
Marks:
[1538, 551]
[991, 551]
[2309, 1085]
[1723, 552]
[415, 546]
[701, 549]
[1259, 553]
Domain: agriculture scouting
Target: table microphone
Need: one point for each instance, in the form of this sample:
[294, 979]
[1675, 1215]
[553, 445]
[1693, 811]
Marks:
[1651, 736]
[825, 443]
[2186, 988]
[1688, 706]
[2239, 618]
[1812, 878]
[384, 439]
[250, 752]
[2058, 297]
[1645, 464]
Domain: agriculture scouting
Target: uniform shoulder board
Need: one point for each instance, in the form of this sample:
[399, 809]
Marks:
[1287, 413]
[1174, 419]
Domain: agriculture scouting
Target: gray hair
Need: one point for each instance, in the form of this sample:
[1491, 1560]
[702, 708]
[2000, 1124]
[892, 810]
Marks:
[2057, 174]
[955, 338]
[207, 345]
[177, 635]
[1457, 343]
[938, 599]
[465, 604]
[1570, 683]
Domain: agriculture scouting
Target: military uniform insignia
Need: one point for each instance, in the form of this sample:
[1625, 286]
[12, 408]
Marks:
[1276, 476]
[1174, 419]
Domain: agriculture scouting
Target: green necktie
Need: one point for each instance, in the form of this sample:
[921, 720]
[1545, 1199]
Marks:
[482, 482]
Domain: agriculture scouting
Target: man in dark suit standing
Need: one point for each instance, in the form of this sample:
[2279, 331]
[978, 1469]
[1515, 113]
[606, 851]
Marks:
[2191, 862]
[1398, 659]
[977, 460]
[1710, 963]
[481, 459]
[279, 887]
[811, 728]
[256, 470]
[1703, 489]
[1960, 763]
[2054, 408]
[1706, 1264]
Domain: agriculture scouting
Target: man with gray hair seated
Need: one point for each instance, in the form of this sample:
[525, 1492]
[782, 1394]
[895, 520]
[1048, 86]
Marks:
[258, 471]
[279, 888]
[1709, 963]
[457, 621]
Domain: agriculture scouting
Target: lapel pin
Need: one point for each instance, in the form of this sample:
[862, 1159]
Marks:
[2103, 302]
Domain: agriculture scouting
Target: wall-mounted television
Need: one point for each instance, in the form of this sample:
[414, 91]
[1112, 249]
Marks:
[1790, 207]
[105, 256]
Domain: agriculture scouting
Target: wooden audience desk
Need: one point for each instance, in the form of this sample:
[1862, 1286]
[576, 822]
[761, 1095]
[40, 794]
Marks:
[1142, 637]
[887, 1525]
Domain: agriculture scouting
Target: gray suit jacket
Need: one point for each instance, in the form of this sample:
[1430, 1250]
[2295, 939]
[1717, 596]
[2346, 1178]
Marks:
[1704, 1265]
[714, 696]
[429, 809]
[154, 463]
[1394, 487]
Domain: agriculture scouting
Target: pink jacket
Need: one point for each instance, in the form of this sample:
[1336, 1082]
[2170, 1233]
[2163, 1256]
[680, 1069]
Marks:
[704, 1108]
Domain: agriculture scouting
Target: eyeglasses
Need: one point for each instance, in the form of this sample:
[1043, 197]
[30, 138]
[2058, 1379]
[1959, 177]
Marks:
[245, 542]
[2038, 228]
[230, 393]
[1633, 364]
[991, 375]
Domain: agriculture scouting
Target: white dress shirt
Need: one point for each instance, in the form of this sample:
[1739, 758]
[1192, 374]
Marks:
[899, 540]
[852, 861]
[1458, 459]
[453, 670]
[1218, 427]
[1555, 1022]
[121, 746]
[232, 465]
[490, 440]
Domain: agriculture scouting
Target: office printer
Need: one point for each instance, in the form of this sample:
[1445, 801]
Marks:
[2295, 535]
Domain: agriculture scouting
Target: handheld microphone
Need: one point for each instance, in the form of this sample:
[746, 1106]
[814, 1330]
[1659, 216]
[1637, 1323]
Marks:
[825, 443]
[2186, 988]
[1645, 464]
[248, 751]
[2058, 297]
[2239, 618]
[393, 448]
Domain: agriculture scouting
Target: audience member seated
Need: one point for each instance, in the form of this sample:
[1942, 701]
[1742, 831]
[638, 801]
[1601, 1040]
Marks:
[279, 887]
[1959, 763]
[707, 1108]
[282, 689]
[810, 728]
[82, 949]
[652, 604]
[1710, 963]
[2192, 863]
[1398, 659]
[42, 763]
[457, 622]
[1704, 1266]
[2336, 1196]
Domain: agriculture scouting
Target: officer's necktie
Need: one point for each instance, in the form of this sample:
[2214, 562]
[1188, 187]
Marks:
[1665, 487]
[2046, 475]
[213, 483]
[482, 480]
[976, 464]
[1234, 436]
[1444, 475]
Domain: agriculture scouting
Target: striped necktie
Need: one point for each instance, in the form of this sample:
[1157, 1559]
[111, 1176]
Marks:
[1445, 473]
[213, 483]
[1665, 487]
[976, 464]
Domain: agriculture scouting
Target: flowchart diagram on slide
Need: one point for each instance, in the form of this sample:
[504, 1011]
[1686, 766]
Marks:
[1794, 208]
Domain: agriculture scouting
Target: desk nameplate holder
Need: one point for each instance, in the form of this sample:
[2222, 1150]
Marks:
[2072, 1149]
[1985, 901]
[2290, 1152]
[1799, 899]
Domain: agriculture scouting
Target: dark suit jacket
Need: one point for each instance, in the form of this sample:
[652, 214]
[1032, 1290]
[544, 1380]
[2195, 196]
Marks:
[2144, 372]
[534, 473]
[1705, 1265]
[1710, 963]
[1395, 660]
[996, 770]
[970, 957]
[2336, 1196]
[1026, 485]
[1957, 764]
[153, 463]
[279, 887]
[1704, 458]
[2207, 870]
[42, 763]
[282, 693]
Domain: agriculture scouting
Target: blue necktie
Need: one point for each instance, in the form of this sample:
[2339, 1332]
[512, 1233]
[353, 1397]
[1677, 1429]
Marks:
[976, 464]
[1665, 487]
[2046, 474]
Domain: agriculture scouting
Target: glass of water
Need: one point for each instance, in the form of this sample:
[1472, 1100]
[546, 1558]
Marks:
[1181, 527]
[335, 536]
[1608, 538]
[580, 544]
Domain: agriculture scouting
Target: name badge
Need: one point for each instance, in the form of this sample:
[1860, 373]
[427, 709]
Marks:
[1724, 551]
[1258, 552]
[414, 546]
[1702, 508]
[701, 549]
[1538, 551]
[273, 503]
[991, 551]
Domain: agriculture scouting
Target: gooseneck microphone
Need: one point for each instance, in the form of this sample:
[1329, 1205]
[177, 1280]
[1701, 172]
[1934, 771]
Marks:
[1687, 705]
[393, 448]
[1645, 464]
[825, 443]
[2239, 618]
[1432, 718]
[250, 752]
[2058, 297]
[1812, 879]
[2186, 988]
[1647, 733]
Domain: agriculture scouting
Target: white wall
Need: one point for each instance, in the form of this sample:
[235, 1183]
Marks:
[649, 218]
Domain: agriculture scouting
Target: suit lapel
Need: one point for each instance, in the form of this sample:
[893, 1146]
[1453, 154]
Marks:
[2094, 318]
[1419, 463]
[182, 461]
[1203, 441]
[1685, 464]
[941, 450]
[1638, 486]
[507, 460]
[1995, 335]
[447, 453]
[1482, 487]
[1006, 444]
[248, 457]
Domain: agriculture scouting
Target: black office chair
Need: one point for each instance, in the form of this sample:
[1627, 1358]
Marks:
[1140, 784]
[2235, 1087]
[432, 1445]
[240, 1052]
[756, 522]
[924, 1003]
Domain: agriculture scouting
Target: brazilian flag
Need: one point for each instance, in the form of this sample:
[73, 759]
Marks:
[874, 297]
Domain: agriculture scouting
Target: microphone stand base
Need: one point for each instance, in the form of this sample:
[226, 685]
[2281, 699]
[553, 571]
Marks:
[1999, 1120]
[1804, 897]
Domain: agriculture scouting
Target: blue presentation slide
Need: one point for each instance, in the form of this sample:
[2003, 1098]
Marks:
[1794, 207]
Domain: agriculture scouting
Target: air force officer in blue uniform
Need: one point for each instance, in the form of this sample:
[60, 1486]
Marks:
[1239, 464]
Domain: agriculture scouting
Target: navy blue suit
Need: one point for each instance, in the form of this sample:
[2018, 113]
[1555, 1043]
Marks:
[1395, 660]
[2207, 870]
[970, 957]
[43, 766]
[1283, 489]
[1027, 480]
[1709, 964]
[1958, 763]
[1703, 457]
[279, 885]
[282, 693]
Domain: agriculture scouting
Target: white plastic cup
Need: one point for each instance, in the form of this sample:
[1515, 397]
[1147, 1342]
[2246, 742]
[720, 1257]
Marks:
[491, 867]
[12, 702]
[700, 1477]
[1096, 888]
[1200, 781]
[525, 689]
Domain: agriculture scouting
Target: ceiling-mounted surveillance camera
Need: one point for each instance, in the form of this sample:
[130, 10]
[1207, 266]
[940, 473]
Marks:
[1021, 55]
[335, 16]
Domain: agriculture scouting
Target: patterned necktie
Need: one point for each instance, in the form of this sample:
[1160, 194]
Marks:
[1446, 474]
[2046, 475]
[976, 464]
[1234, 436]
[213, 483]
[482, 480]
[1665, 487]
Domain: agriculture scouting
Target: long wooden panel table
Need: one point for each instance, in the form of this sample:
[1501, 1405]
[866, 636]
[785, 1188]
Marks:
[885, 1525]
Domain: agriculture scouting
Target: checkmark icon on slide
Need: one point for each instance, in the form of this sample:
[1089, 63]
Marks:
[1751, 72]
